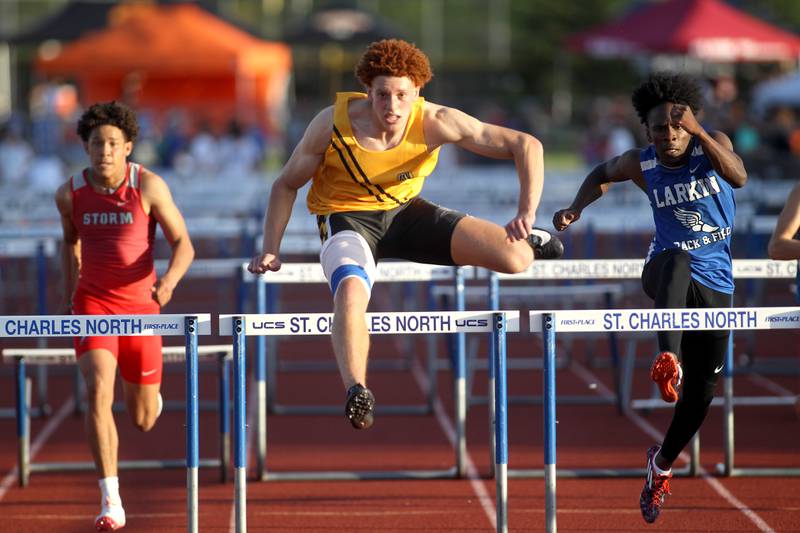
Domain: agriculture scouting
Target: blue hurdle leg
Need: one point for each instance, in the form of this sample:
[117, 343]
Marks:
[460, 385]
[550, 421]
[192, 441]
[501, 421]
[239, 425]
[728, 416]
[23, 423]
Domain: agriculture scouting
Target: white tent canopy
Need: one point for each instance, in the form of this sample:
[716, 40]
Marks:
[778, 91]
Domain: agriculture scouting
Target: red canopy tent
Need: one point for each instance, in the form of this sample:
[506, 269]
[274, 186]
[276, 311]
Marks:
[709, 30]
[177, 56]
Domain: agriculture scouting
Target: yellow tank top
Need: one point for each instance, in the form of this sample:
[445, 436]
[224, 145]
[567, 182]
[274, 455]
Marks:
[352, 178]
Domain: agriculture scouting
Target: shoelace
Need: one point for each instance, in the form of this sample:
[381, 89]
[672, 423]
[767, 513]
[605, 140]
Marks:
[660, 488]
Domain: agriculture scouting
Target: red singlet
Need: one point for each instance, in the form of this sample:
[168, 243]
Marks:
[117, 271]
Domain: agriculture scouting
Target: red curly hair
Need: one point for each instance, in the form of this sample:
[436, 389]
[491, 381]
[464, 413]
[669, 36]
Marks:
[394, 57]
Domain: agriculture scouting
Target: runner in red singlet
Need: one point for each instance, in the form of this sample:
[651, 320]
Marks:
[109, 214]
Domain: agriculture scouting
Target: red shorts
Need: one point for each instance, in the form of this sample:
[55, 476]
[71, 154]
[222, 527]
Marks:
[139, 358]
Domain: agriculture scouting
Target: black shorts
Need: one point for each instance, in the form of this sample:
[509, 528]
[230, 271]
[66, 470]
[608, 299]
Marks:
[418, 231]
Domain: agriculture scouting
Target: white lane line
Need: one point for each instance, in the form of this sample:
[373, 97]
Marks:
[48, 429]
[586, 375]
[772, 386]
[446, 424]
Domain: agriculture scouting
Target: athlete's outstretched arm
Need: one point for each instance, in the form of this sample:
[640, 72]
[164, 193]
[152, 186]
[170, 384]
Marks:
[70, 247]
[716, 146]
[782, 244]
[617, 169]
[450, 125]
[300, 168]
[156, 194]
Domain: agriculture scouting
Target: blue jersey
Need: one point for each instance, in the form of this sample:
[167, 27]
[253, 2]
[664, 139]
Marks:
[693, 210]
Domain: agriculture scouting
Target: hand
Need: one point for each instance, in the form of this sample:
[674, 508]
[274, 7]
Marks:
[263, 263]
[683, 116]
[565, 217]
[162, 292]
[520, 227]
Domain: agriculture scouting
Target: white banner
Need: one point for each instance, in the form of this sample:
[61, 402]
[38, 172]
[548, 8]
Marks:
[387, 271]
[99, 325]
[565, 269]
[669, 319]
[377, 323]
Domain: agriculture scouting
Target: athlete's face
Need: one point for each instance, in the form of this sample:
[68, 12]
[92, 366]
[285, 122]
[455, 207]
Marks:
[392, 99]
[108, 151]
[669, 139]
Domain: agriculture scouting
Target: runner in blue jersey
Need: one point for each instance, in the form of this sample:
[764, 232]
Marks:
[688, 174]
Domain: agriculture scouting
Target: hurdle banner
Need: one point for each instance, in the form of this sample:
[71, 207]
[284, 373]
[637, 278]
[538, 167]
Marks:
[190, 326]
[386, 271]
[497, 322]
[633, 320]
[410, 322]
[99, 325]
[572, 269]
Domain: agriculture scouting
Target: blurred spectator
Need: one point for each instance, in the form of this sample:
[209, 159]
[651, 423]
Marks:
[239, 153]
[46, 174]
[16, 155]
[204, 150]
[175, 138]
[719, 98]
[744, 133]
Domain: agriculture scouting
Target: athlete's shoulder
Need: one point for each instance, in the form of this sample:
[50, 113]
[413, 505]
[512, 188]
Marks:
[63, 195]
[151, 183]
[319, 130]
[635, 157]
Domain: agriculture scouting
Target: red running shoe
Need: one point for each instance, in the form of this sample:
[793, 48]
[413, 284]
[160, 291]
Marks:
[656, 486]
[668, 375]
[111, 517]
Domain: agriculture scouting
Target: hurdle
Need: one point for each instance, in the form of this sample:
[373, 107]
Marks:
[620, 269]
[548, 323]
[301, 273]
[493, 292]
[189, 326]
[498, 323]
[171, 354]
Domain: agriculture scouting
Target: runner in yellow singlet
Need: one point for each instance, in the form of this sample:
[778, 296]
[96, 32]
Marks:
[368, 156]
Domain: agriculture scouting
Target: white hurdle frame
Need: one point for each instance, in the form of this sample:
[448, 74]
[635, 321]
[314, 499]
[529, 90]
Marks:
[636, 320]
[302, 273]
[497, 322]
[190, 326]
[171, 354]
[589, 269]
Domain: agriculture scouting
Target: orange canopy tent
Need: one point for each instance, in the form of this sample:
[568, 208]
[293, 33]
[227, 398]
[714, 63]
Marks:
[177, 56]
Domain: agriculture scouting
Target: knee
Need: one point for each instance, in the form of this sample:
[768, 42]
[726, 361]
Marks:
[99, 394]
[516, 259]
[143, 419]
[679, 261]
[351, 293]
